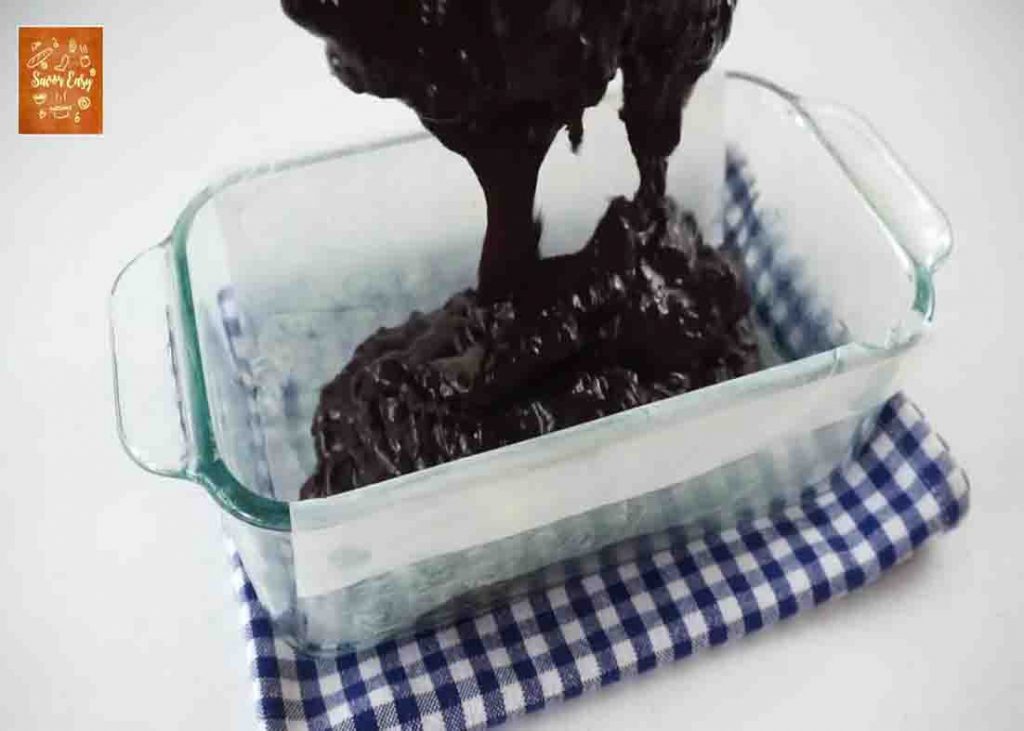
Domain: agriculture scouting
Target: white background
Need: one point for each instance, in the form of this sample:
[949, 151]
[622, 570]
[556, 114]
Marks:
[115, 606]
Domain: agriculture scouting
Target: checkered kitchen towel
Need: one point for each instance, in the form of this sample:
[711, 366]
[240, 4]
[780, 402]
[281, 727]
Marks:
[901, 490]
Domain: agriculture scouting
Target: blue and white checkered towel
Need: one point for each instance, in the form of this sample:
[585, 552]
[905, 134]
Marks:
[903, 489]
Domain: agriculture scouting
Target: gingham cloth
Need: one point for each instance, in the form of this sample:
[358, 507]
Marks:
[902, 489]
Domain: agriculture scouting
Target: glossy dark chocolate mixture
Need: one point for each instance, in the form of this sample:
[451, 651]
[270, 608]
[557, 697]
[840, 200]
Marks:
[644, 311]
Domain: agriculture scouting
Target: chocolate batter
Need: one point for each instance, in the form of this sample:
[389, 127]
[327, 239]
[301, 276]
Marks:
[646, 310]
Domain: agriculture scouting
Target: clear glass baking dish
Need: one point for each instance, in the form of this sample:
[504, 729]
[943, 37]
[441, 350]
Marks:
[224, 333]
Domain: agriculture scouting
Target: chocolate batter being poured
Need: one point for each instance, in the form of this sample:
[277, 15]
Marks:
[644, 311]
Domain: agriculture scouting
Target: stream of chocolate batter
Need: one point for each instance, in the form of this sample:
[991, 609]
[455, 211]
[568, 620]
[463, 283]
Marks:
[644, 311]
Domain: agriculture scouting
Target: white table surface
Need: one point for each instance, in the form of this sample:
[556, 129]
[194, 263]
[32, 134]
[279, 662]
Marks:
[115, 607]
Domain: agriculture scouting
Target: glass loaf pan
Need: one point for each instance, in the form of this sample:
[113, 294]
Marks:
[224, 333]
